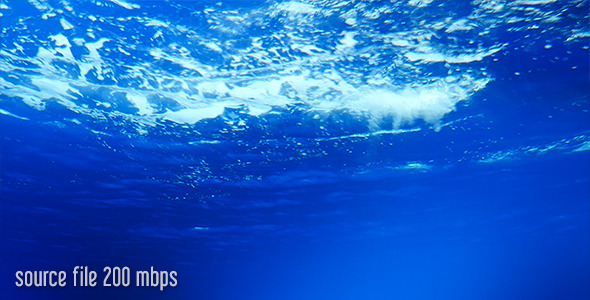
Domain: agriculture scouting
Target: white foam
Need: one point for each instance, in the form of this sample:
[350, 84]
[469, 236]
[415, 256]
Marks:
[347, 41]
[258, 109]
[213, 46]
[208, 142]
[350, 21]
[584, 147]
[187, 63]
[533, 2]
[126, 4]
[297, 7]
[363, 72]
[65, 24]
[307, 49]
[140, 101]
[42, 7]
[51, 88]
[460, 58]
[4, 112]
[63, 45]
[369, 134]
[93, 60]
[157, 23]
[400, 42]
[419, 3]
[79, 41]
[459, 25]
[93, 47]
[194, 115]
[429, 102]
[415, 166]
[578, 35]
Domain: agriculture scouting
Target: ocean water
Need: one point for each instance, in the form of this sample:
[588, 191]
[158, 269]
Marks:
[323, 149]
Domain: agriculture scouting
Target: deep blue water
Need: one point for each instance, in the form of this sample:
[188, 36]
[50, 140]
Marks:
[297, 150]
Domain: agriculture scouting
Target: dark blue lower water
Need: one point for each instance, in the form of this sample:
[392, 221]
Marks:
[512, 230]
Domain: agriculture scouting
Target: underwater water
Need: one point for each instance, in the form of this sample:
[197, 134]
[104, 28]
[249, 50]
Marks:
[323, 149]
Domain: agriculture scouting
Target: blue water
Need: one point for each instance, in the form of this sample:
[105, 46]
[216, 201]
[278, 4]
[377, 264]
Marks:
[297, 149]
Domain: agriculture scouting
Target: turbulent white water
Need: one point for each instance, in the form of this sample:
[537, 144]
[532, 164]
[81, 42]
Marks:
[392, 60]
